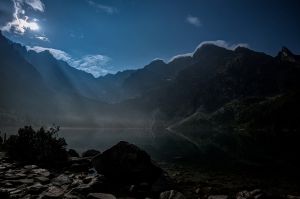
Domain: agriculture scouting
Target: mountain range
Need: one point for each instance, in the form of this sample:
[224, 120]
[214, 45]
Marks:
[232, 103]
[38, 88]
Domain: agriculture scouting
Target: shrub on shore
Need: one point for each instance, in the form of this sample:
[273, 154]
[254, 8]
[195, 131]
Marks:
[41, 147]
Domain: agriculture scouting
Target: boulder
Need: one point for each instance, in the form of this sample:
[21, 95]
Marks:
[73, 153]
[90, 153]
[101, 196]
[126, 163]
[172, 194]
[163, 183]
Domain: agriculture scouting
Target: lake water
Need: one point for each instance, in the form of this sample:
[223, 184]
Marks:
[161, 145]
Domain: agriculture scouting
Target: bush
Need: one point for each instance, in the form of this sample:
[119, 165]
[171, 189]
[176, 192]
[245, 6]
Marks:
[37, 147]
[73, 153]
[90, 153]
[1, 141]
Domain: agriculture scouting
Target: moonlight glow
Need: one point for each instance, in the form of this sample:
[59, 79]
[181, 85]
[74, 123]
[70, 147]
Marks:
[25, 24]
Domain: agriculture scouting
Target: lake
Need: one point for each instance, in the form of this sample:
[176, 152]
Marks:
[162, 145]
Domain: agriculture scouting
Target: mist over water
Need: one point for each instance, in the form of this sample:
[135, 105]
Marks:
[162, 145]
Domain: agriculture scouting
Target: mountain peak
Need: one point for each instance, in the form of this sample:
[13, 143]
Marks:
[242, 49]
[209, 49]
[157, 61]
[286, 55]
[286, 51]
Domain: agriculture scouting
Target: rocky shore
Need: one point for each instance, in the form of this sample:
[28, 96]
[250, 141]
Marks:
[123, 171]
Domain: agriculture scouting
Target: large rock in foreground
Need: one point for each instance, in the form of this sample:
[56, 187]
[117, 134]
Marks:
[126, 163]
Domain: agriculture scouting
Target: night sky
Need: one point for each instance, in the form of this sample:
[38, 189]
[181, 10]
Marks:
[105, 36]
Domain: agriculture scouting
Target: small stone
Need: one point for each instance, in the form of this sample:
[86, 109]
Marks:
[292, 197]
[87, 188]
[17, 191]
[7, 189]
[71, 196]
[10, 176]
[54, 192]
[88, 179]
[82, 188]
[172, 194]
[42, 179]
[43, 172]
[260, 196]
[36, 188]
[76, 182]
[217, 197]
[8, 184]
[61, 180]
[101, 196]
[255, 192]
[27, 181]
[28, 196]
[243, 195]
[30, 167]
[22, 175]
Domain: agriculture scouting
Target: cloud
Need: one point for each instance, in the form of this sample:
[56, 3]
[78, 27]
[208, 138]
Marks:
[57, 54]
[36, 4]
[223, 44]
[102, 7]
[77, 35]
[93, 64]
[20, 22]
[220, 43]
[193, 21]
[43, 38]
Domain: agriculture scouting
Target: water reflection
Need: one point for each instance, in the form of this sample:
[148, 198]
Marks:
[161, 145]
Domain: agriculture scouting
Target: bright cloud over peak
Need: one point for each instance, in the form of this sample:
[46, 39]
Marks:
[220, 43]
[93, 64]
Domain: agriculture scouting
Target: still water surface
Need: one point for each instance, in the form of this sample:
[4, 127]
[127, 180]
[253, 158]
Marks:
[161, 145]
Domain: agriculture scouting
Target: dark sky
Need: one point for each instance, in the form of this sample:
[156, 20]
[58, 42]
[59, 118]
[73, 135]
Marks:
[101, 36]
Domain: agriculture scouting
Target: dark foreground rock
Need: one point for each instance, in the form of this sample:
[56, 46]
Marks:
[131, 179]
[172, 194]
[73, 153]
[100, 196]
[127, 163]
[90, 153]
[124, 171]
